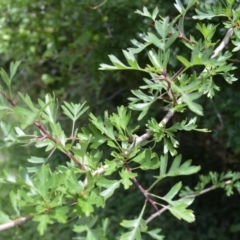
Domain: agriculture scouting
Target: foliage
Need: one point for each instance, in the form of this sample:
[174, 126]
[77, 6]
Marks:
[109, 154]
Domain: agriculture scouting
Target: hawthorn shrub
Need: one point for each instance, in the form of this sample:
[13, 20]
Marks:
[106, 157]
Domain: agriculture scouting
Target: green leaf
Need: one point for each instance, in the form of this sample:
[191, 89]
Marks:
[179, 6]
[110, 185]
[85, 223]
[145, 12]
[184, 61]
[86, 206]
[43, 220]
[117, 63]
[5, 78]
[163, 27]
[195, 107]
[237, 44]
[137, 226]
[37, 160]
[173, 192]
[163, 164]
[190, 4]
[176, 163]
[139, 46]
[49, 108]
[180, 212]
[131, 59]
[146, 160]
[121, 119]
[15, 201]
[201, 15]
[171, 40]
[73, 185]
[4, 217]
[126, 176]
[207, 31]
[155, 234]
[105, 127]
[176, 168]
[104, 66]
[13, 68]
[186, 169]
[41, 183]
[155, 13]
[156, 41]
[169, 147]
[60, 214]
[28, 102]
[155, 60]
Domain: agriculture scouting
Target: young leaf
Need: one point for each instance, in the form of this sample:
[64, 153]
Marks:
[209, 15]
[173, 192]
[116, 62]
[180, 211]
[155, 13]
[131, 59]
[178, 5]
[109, 185]
[5, 78]
[126, 176]
[155, 234]
[156, 41]
[137, 226]
[163, 164]
[43, 220]
[13, 68]
[184, 61]
[37, 160]
[4, 217]
[145, 12]
[14, 197]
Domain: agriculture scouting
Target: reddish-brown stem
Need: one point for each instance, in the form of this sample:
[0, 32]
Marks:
[8, 99]
[144, 192]
[193, 195]
[49, 136]
[182, 37]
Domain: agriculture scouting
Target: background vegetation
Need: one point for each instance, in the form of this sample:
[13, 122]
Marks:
[61, 45]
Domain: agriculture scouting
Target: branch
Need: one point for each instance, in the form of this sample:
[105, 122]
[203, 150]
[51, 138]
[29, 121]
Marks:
[15, 223]
[11, 102]
[170, 113]
[46, 134]
[223, 43]
[144, 192]
[147, 135]
[156, 214]
[138, 140]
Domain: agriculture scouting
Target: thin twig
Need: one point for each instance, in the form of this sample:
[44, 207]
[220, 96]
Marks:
[15, 223]
[138, 140]
[46, 134]
[11, 102]
[105, 24]
[156, 214]
[111, 96]
[218, 114]
[144, 192]
[223, 43]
